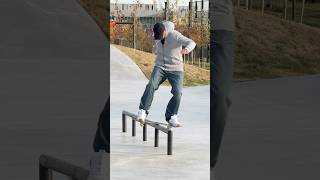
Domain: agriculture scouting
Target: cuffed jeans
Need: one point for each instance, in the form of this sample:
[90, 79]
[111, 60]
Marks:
[158, 76]
[222, 45]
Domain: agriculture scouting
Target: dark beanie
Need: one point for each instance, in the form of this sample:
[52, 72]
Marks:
[158, 30]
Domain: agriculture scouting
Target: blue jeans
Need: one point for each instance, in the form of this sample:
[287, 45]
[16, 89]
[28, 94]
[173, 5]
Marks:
[158, 76]
[221, 75]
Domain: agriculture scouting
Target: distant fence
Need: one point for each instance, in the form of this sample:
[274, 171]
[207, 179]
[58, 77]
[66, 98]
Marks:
[287, 9]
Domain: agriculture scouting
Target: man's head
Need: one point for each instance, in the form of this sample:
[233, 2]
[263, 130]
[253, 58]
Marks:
[168, 25]
[159, 31]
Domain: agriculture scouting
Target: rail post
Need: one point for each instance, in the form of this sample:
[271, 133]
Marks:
[133, 127]
[156, 137]
[169, 146]
[124, 123]
[144, 132]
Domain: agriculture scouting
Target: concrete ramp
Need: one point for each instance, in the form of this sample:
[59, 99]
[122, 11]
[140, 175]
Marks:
[53, 74]
[123, 68]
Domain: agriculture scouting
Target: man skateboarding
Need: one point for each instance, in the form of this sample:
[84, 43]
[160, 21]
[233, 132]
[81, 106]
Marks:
[169, 47]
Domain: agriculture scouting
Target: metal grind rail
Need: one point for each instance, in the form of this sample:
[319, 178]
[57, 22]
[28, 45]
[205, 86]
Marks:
[156, 125]
[48, 164]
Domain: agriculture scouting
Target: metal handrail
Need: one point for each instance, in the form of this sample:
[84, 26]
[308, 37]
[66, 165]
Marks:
[157, 126]
[47, 164]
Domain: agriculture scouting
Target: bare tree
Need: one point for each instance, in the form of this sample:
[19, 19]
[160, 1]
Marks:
[247, 4]
[262, 7]
[190, 13]
[294, 3]
[302, 11]
[285, 8]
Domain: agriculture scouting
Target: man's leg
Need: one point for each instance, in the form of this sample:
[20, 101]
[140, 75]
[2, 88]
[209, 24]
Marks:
[176, 80]
[157, 78]
[221, 82]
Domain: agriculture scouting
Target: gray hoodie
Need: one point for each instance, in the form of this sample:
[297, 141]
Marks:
[222, 15]
[169, 55]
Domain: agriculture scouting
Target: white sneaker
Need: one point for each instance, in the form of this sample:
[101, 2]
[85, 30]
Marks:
[141, 116]
[173, 122]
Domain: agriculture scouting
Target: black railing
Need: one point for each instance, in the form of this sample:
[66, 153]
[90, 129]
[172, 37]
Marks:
[157, 126]
[48, 164]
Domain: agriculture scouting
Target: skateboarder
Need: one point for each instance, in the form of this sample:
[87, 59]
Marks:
[170, 45]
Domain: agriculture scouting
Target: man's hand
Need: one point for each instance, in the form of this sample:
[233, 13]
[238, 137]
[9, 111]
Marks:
[184, 51]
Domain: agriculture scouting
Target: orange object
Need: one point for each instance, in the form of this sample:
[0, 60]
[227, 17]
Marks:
[112, 24]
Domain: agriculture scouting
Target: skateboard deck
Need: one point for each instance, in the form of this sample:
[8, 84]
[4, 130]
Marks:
[155, 122]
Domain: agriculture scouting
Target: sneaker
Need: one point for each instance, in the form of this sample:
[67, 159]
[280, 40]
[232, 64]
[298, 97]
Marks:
[141, 116]
[173, 122]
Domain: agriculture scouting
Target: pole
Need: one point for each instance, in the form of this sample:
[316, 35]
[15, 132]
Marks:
[133, 127]
[285, 8]
[145, 132]
[302, 11]
[134, 31]
[124, 123]
[190, 13]
[169, 146]
[247, 4]
[156, 137]
[165, 10]
[262, 7]
[294, 10]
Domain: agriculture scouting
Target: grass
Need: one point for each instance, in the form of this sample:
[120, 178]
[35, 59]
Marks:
[193, 75]
[270, 47]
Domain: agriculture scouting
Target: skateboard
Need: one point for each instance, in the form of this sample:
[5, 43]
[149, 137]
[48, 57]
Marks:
[155, 122]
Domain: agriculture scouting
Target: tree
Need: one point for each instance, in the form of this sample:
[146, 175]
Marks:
[285, 8]
[262, 7]
[302, 11]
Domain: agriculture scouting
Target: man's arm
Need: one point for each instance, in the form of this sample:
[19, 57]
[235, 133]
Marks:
[186, 42]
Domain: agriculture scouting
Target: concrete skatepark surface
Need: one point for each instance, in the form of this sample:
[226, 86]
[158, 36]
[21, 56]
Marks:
[53, 78]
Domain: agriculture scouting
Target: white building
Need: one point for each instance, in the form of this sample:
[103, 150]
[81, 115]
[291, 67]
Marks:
[142, 10]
